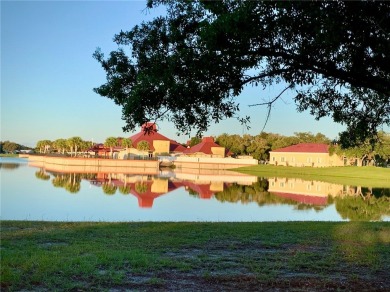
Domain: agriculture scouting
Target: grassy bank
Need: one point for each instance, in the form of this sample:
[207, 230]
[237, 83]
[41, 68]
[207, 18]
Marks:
[8, 155]
[358, 176]
[297, 256]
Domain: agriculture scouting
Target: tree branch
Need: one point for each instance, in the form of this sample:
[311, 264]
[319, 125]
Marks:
[269, 105]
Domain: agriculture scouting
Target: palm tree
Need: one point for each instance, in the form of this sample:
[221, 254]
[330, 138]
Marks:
[111, 142]
[60, 145]
[109, 189]
[74, 143]
[127, 143]
[45, 145]
[124, 190]
[41, 174]
[40, 145]
[143, 146]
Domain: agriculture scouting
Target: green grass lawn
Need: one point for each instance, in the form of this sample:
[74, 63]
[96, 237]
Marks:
[366, 176]
[298, 256]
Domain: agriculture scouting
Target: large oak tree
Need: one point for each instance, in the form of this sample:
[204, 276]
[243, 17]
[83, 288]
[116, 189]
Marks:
[190, 65]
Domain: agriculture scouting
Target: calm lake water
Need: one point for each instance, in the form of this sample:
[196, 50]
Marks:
[31, 193]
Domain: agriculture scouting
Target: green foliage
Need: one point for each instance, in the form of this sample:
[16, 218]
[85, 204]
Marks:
[212, 50]
[60, 145]
[143, 145]
[44, 146]
[111, 142]
[109, 189]
[368, 150]
[127, 143]
[195, 141]
[41, 174]
[124, 190]
[141, 187]
[10, 147]
[365, 206]
[260, 145]
[74, 143]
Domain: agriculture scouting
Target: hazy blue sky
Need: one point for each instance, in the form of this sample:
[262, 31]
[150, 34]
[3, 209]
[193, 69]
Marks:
[48, 75]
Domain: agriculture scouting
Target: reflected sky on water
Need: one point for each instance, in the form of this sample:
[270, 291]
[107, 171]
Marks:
[35, 193]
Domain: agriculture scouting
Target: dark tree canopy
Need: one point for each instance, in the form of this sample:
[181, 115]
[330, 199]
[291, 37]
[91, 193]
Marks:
[191, 65]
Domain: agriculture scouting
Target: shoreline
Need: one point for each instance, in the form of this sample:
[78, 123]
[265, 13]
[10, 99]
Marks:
[85, 164]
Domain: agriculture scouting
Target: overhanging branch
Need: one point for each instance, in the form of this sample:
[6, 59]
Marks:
[269, 104]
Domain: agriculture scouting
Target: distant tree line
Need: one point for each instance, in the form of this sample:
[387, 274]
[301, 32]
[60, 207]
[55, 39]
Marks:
[260, 145]
[11, 147]
[75, 145]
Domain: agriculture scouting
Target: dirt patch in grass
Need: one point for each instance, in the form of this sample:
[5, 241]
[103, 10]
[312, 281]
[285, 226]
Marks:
[220, 268]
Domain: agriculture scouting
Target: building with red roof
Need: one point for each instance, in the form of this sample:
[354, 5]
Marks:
[305, 154]
[158, 143]
[207, 147]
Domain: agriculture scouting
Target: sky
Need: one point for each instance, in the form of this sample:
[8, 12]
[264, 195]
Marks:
[48, 75]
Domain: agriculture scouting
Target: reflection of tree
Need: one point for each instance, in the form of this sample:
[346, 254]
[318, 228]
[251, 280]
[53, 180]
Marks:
[109, 189]
[125, 190]
[69, 181]
[191, 192]
[141, 187]
[59, 181]
[88, 176]
[364, 205]
[8, 165]
[256, 192]
[41, 174]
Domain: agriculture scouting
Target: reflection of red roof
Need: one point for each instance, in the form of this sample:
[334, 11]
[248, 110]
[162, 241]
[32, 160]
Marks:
[203, 190]
[304, 199]
[305, 148]
[205, 147]
[149, 135]
[146, 198]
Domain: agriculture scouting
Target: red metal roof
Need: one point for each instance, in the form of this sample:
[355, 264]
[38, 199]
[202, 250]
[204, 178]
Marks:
[205, 146]
[305, 148]
[152, 135]
[146, 199]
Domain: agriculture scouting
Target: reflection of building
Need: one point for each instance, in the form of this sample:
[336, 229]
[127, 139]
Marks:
[146, 188]
[305, 154]
[303, 191]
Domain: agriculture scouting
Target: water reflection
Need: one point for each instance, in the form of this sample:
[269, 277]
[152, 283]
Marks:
[351, 202]
[9, 165]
